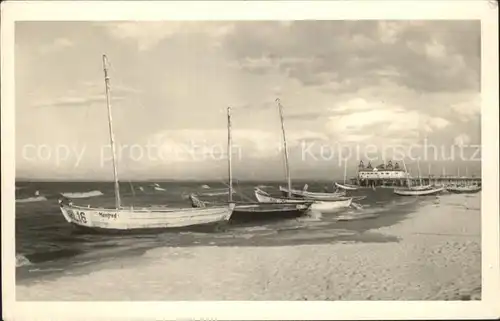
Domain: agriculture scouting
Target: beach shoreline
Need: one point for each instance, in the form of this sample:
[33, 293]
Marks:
[437, 257]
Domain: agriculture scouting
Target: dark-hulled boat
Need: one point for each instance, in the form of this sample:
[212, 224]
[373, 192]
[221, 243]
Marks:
[256, 211]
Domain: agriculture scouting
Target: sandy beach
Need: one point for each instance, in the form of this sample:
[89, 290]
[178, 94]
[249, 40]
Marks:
[437, 257]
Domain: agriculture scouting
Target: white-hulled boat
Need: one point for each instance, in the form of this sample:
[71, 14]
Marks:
[346, 187]
[464, 189]
[120, 218]
[417, 190]
[325, 207]
[421, 188]
[312, 195]
[146, 218]
[412, 192]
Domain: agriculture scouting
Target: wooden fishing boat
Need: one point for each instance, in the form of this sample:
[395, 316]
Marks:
[323, 206]
[120, 218]
[346, 187]
[412, 192]
[421, 188]
[417, 190]
[256, 211]
[144, 218]
[311, 195]
[464, 189]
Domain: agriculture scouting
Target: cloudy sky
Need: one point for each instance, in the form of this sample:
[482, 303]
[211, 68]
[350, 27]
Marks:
[368, 88]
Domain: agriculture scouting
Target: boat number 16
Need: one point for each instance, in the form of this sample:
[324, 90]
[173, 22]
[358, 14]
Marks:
[78, 216]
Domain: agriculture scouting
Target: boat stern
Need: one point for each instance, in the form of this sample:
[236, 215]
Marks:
[231, 207]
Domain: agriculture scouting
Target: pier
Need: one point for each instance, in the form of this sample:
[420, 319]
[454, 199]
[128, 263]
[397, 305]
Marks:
[393, 175]
[415, 181]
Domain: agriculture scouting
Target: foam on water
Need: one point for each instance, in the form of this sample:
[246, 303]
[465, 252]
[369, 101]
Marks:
[82, 194]
[312, 216]
[31, 199]
[21, 260]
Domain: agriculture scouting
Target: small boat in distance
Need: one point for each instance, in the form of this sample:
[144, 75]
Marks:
[120, 218]
[346, 187]
[426, 192]
[464, 189]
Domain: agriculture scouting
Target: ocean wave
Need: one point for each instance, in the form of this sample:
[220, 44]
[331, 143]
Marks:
[159, 189]
[31, 199]
[21, 260]
[356, 217]
[82, 194]
[205, 186]
[217, 193]
[311, 216]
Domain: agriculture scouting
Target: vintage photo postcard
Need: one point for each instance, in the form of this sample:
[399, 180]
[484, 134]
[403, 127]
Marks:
[258, 160]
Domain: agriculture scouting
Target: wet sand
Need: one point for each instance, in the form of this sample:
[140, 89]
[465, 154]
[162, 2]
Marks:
[436, 256]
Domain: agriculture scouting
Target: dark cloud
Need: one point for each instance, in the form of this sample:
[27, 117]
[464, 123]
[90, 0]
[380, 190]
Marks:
[422, 55]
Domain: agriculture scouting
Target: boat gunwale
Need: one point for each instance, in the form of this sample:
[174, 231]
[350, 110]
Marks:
[143, 210]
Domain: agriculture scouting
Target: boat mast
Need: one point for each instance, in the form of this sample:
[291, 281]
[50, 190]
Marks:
[287, 167]
[345, 171]
[111, 135]
[419, 176]
[229, 154]
[407, 176]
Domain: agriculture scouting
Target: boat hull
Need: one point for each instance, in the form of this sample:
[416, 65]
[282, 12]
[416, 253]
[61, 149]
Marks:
[311, 195]
[412, 192]
[246, 212]
[463, 191]
[421, 188]
[346, 187]
[143, 219]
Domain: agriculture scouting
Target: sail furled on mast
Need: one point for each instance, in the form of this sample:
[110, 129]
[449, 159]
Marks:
[285, 147]
[111, 132]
